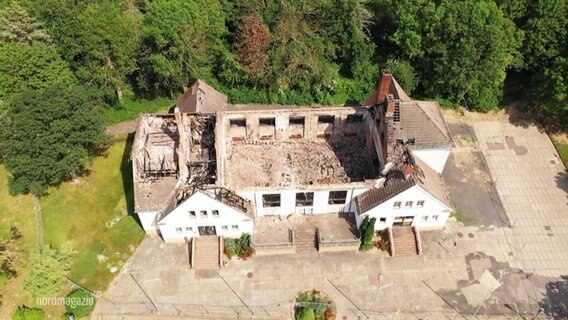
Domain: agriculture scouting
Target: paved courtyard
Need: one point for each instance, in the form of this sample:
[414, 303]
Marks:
[531, 182]
[492, 267]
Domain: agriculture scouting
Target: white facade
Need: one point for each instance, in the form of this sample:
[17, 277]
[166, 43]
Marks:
[413, 207]
[434, 158]
[200, 211]
[148, 220]
[320, 204]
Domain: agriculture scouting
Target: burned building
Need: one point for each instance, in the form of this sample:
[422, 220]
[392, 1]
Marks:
[213, 168]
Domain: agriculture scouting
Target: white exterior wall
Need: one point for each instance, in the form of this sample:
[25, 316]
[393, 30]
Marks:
[180, 218]
[432, 206]
[435, 158]
[288, 201]
[148, 220]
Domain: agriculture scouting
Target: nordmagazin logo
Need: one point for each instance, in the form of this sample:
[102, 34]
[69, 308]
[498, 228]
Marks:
[69, 301]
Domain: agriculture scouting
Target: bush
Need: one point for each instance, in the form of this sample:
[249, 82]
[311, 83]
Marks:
[367, 231]
[314, 304]
[48, 269]
[238, 247]
[26, 313]
[306, 314]
[80, 303]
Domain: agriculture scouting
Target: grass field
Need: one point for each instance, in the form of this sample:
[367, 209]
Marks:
[562, 149]
[130, 109]
[94, 212]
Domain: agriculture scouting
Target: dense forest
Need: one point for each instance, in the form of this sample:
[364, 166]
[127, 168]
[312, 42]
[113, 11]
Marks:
[469, 53]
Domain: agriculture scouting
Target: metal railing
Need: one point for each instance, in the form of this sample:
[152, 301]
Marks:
[391, 241]
[418, 240]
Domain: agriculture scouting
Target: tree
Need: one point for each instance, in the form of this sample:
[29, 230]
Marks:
[460, 50]
[182, 42]
[35, 66]
[49, 266]
[9, 252]
[48, 136]
[80, 303]
[253, 44]
[27, 313]
[16, 26]
[109, 39]
[551, 89]
[545, 27]
[367, 230]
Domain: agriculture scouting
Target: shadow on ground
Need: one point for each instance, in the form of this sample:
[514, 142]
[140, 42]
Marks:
[555, 303]
[469, 182]
[127, 179]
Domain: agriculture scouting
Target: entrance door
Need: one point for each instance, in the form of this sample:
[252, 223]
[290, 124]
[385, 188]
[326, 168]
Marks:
[407, 221]
[403, 221]
[207, 231]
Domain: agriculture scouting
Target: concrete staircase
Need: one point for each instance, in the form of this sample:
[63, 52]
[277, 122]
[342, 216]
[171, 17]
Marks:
[404, 241]
[206, 252]
[306, 239]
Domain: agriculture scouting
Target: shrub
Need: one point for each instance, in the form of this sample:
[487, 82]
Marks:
[306, 314]
[26, 313]
[48, 269]
[328, 314]
[367, 231]
[80, 303]
[238, 247]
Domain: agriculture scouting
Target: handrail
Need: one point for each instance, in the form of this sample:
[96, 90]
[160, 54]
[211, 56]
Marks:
[418, 240]
[192, 262]
[221, 249]
[391, 241]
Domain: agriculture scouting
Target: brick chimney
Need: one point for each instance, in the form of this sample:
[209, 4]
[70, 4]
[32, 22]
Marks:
[384, 86]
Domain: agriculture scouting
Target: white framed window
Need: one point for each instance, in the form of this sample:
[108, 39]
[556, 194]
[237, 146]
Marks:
[424, 218]
[192, 214]
[397, 205]
[408, 204]
[203, 213]
[383, 220]
[304, 199]
[435, 217]
[224, 228]
[215, 213]
[235, 227]
[271, 200]
[188, 229]
[178, 229]
[420, 203]
[337, 197]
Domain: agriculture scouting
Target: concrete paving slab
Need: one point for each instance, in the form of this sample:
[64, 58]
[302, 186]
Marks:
[527, 181]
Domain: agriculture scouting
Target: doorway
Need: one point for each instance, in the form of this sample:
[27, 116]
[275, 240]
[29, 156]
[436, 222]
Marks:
[207, 231]
[403, 221]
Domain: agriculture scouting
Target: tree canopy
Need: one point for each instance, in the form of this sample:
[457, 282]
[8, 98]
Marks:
[300, 52]
[48, 135]
[258, 51]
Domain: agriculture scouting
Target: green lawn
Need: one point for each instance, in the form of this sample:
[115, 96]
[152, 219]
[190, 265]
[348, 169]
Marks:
[92, 211]
[130, 109]
[562, 149]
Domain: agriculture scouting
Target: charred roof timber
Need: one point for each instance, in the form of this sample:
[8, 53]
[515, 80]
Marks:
[214, 147]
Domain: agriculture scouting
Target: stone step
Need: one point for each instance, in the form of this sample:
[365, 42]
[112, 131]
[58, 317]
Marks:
[206, 252]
